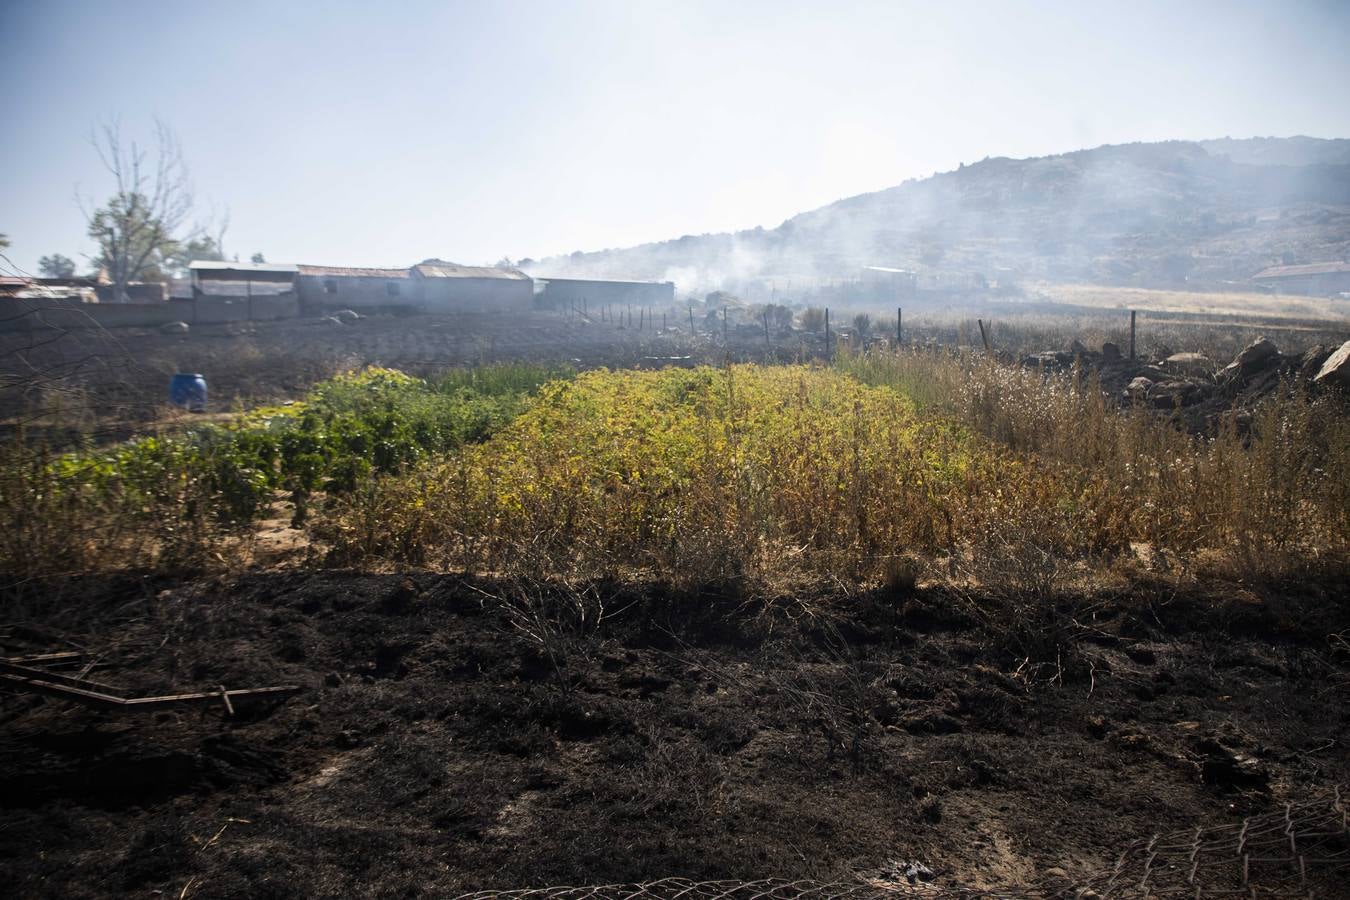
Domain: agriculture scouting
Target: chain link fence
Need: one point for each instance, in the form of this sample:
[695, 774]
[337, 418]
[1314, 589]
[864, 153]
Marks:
[1301, 850]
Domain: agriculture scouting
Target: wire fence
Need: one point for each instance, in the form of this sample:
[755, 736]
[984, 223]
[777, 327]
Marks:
[1301, 850]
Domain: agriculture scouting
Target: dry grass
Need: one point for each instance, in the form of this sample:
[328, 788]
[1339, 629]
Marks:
[1270, 497]
[1196, 302]
[766, 477]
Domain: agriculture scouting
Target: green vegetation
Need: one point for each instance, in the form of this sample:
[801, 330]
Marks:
[169, 499]
[765, 477]
[703, 474]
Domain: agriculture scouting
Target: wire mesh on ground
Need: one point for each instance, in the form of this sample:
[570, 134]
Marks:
[1299, 850]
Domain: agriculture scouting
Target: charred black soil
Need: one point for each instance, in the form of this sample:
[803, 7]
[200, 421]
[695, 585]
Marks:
[446, 739]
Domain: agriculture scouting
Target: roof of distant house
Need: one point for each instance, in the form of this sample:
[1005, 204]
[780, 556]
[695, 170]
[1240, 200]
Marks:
[350, 272]
[214, 265]
[439, 268]
[597, 280]
[1322, 268]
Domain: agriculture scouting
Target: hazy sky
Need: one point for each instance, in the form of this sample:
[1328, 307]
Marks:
[381, 133]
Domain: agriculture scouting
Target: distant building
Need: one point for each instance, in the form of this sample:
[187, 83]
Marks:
[210, 280]
[136, 292]
[1314, 279]
[81, 289]
[339, 287]
[430, 286]
[230, 291]
[561, 293]
[448, 287]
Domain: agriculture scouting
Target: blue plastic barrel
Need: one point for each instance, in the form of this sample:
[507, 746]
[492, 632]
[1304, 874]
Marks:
[188, 390]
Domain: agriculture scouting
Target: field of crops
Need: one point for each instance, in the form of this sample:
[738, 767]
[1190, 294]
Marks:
[869, 470]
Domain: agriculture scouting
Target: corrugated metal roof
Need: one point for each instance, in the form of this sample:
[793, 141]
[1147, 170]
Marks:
[1323, 268]
[349, 272]
[439, 268]
[599, 280]
[212, 265]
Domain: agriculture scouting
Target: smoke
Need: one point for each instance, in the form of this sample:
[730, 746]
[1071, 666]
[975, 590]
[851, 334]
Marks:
[1172, 214]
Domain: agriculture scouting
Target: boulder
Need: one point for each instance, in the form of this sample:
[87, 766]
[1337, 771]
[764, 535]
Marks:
[1110, 352]
[1171, 394]
[1224, 767]
[1189, 364]
[1048, 359]
[1336, 369]
[1137, 390]
[1253, 358]
[1077, 348]
[174, 328]
[1311, 362]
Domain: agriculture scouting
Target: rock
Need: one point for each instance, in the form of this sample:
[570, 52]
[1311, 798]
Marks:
[1138, 388]
[1049, 360]
[1171, 394]
[1253, 358]
[1311, 362]
[174, 328]
[1226, 768]
[1077, 348]
[1189, 364]
[1336, 370]
[1110, 352]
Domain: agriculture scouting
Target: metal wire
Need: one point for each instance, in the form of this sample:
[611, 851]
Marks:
[1299, 850]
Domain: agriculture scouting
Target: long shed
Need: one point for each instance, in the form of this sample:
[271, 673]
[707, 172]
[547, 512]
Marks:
[433, 286]
[561, 293]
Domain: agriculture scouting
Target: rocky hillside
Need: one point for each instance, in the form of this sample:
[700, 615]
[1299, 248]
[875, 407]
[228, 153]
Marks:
[1154, 215]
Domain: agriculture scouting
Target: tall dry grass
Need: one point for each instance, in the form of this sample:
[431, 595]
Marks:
[1266, 496]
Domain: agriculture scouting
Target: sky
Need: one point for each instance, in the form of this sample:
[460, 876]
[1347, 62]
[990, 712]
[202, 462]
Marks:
[385, 133]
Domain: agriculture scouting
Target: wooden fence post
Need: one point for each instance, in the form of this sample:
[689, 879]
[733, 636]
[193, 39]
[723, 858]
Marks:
[984, 336]
[899, 326]
[1132, 334]
[827, 334]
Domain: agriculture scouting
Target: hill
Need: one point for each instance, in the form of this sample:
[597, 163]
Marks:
[1170, 214]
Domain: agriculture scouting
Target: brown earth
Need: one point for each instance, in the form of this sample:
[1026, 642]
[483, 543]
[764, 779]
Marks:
[436, 747]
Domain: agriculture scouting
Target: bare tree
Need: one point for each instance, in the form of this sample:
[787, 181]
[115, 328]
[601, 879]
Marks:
[137, 229]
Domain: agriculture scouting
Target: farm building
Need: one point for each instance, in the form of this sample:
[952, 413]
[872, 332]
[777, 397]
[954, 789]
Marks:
[448, 287]
[433, 285]
[561, 293]
[343, 287]
[1313, 280]
[226, 291]
[82, 289]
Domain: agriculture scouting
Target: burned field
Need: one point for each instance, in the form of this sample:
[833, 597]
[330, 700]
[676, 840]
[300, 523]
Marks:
[458, 734]
[914, 620]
